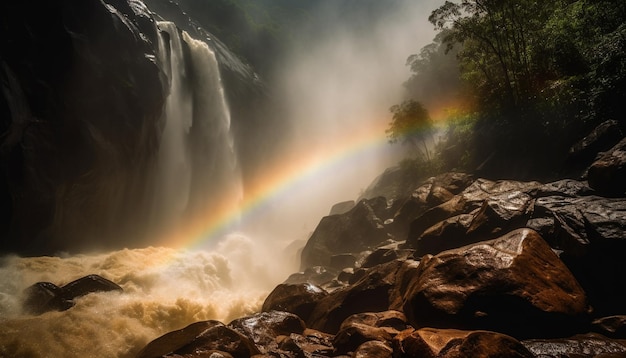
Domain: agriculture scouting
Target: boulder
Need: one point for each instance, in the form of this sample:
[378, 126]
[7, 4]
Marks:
[600, 139]
[392, 321]
[263, 328]
[357, 230]
[565, 187]
[612, 326]
[201, 339]
[373, 349]
[607, 175]
[299, 299]
[342, 261]
[317, 275]
[584, 345]
[352, 335]
[514, 284]
[384, 254]
[590, 231]
[42, 297]
[311, 343]
[175, 340]
[342, 207]
[503, 205]
[444, 343]
[372, 293]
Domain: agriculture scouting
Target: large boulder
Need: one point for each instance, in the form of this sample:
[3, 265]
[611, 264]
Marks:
[607, 175]
[299, 299]
[503, 205]
[590, 231]
[600, 139]
[514, 284]
[201, 339]
[374, 292]
[434, 191]
[584, 345]
[452, 343]
[263, 328]
[357, 230]
[42, 297]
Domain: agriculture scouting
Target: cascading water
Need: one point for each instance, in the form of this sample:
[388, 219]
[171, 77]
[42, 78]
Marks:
[197, 171]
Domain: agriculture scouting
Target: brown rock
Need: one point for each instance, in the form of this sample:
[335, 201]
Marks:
[444, 343]
[514, 284]
[392, 321]
[373, 349]
[352, 335]
[607, 175]
[372, 293]
[584, 345]
[355, 231]
[174, 340]
[219, 338]
[263, 328]
[299, 299]
[612, 326]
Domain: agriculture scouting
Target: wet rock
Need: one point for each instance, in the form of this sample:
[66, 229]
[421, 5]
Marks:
[317, 275]
[600, 139]
[444, 343]
[607, 175]
[175, 340]
[498, 201]
[263, 328]
[219, 338]
[447, 234]
[565, 187]
[373, 349]
[590, 231]
[45, 296]
[352, 335]
[299, 299]
[42, 297]
[370, 294]
[612, 326]
[311, 342]
[342, 207]
[514, 284]
[342, 261]
[346, 275]
[587, 345]
[384, 255]
[392, 321]
[355, 231]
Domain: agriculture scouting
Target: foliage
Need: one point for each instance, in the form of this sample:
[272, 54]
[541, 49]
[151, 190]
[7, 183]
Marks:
[537, 74]
[411, 124]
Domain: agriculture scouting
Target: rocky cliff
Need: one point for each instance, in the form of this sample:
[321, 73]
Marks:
[82, 121]
[457, 266]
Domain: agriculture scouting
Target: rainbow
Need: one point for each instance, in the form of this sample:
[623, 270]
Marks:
[293, 172]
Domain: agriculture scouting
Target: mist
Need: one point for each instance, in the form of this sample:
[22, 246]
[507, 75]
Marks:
[341, 74]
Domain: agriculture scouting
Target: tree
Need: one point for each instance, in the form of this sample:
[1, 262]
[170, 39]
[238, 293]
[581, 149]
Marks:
[499, 39]
[410, 124]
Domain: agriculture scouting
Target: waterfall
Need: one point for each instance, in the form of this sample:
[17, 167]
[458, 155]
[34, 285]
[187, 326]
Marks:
[197, 172]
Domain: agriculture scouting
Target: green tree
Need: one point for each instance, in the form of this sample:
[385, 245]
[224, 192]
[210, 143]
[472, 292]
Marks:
[499, 38]
[411, 124]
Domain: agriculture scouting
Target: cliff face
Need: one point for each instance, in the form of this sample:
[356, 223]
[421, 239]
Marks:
[82, 103]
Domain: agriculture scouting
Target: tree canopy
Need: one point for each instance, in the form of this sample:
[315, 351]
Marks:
[536, 76]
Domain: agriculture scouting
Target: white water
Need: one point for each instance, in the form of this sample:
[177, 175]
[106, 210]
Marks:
[164, 290]
[197, 164]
